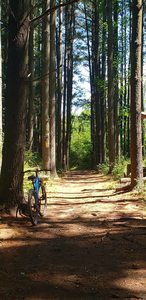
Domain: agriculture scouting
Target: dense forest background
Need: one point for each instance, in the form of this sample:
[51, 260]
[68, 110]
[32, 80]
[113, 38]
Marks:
[71, 87]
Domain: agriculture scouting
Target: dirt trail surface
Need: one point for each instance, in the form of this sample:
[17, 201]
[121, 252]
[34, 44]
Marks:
[91, 245]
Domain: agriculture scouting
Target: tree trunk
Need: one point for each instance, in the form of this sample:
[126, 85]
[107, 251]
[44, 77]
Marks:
[116, 81]
[68, 80]
[45, 91]
[59, 89]
[93, 80]
[1, 130]
[136, 134]
[52, 90]
[111, 128]
[70, 38]
[96, 50]
[64, 91]
[30, 117]
[11, 181]
[91, 86]
[103, 88]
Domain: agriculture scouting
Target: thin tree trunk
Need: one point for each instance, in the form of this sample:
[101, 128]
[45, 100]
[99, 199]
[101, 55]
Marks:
[96, 50]
[116, 81]
[45, 91]
[64, 108]
[111, 131]
[93, 80]
[1, 129]
[103, 88]
[59, 89]
[136, 134]
[30, 118]
[69, 82]
[52, 90]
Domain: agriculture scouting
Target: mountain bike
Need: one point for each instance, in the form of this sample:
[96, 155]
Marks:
[36, 206]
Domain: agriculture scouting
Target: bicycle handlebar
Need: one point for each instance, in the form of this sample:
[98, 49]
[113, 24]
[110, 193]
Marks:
[36, 170]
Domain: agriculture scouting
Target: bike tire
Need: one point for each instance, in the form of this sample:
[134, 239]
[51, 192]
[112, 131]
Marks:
[33, 210]
[43, 201]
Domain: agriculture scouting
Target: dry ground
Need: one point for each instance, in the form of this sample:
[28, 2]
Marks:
[91, 245]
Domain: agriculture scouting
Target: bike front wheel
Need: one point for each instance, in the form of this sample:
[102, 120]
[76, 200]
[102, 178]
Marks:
[42, 201]
[33, 209]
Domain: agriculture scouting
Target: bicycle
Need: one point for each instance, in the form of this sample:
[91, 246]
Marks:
[36, 205]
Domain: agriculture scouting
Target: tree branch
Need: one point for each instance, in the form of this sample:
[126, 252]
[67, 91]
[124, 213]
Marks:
[50, 10]
[47, 12]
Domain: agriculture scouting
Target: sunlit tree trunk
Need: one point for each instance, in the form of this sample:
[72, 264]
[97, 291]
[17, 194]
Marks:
[136, 134]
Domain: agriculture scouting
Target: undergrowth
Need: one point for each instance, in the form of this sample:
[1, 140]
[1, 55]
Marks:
[118, 171]
[31, 162]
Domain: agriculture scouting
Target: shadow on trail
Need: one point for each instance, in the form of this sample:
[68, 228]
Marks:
[97, 200]
[89, 253]
[87, 265]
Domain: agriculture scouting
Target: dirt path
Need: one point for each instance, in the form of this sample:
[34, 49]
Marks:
[91, 245]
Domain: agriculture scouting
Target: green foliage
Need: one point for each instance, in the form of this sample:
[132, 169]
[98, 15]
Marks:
[31, 159]
[80, 154]
[124, 111]
[103, 168]
[101, 84]
[119, 168]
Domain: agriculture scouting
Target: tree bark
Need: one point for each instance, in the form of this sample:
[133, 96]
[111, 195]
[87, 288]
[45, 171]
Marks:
[136, 134]
[116, 82]
[45, 91]
[59, 89]
[11, 181]
[103, 88]
[111, 127]
[30, 117]
[87, 26]
[52, 90]
[1, 129]
[70, 38]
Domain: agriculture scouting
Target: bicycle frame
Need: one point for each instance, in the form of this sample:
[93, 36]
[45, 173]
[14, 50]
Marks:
[36, 186]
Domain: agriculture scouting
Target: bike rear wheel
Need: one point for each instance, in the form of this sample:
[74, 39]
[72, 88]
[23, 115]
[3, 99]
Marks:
[42, 201]
[33, 210]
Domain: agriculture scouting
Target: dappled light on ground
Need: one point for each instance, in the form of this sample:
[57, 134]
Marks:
[91, 245]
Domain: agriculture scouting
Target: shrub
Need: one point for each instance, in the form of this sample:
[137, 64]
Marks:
[119, 168]
[31, 159]
[103, 168]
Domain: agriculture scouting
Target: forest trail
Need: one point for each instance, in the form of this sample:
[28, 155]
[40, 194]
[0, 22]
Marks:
[91, 245]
